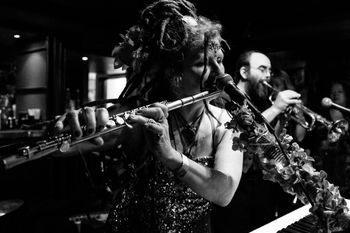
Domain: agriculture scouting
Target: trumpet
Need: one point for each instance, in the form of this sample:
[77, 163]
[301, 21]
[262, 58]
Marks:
[63, 142]
[335, 129]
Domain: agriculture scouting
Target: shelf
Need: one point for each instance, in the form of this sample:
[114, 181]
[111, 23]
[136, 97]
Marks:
[19, 133]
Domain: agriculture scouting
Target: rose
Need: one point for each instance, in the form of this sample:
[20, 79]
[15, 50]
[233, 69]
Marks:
[245, 118]
[124, 53]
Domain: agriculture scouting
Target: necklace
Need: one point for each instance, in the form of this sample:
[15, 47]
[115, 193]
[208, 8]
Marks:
[190, 130]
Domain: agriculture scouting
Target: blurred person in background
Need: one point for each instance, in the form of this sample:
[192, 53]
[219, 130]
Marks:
[334, 157]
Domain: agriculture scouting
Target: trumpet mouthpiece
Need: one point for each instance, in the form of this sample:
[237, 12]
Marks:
[266, 84]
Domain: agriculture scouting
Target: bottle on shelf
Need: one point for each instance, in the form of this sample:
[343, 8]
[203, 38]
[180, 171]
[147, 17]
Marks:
[77, 98]
[3, 118]
[69, 102]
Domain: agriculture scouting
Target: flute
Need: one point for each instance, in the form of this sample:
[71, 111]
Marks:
[63, 142]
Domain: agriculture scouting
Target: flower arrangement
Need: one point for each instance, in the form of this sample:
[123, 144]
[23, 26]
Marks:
[289, 165]
[128, 50]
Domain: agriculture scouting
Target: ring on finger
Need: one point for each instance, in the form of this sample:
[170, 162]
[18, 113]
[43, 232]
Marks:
[84, 129]
[161, 119]
[151, 121]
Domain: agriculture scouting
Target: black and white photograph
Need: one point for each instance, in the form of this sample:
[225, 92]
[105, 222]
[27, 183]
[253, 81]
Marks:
[174, 116]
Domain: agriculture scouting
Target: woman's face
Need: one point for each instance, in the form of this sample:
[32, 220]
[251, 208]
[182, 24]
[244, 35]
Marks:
[194, 66]
[338, 94]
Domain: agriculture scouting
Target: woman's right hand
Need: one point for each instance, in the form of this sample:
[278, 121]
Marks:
[83, 122]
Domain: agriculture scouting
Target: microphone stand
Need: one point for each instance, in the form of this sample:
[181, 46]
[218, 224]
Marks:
[243, 97]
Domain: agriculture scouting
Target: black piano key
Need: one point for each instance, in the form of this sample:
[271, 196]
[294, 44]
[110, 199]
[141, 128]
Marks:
[307, 223]
[288, 230]
[303, 225]
[300, 229]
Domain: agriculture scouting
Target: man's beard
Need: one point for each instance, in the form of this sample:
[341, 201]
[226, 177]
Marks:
[261, 90]
[260, 96]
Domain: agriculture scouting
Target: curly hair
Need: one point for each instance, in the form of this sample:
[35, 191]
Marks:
[168, 30]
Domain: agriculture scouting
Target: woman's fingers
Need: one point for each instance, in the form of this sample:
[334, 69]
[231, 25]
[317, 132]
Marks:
[154, 126]
[59, 125]
[157, 111]
[89, 118]
[89, 121]
[83, 122]
[73, 121]
[102, 121]
[68, 122]
[149, 123]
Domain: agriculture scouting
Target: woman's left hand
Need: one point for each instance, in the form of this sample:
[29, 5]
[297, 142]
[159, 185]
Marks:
[156, 128]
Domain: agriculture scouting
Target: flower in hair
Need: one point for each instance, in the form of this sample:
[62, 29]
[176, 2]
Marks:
[190, 20]
[125, 51]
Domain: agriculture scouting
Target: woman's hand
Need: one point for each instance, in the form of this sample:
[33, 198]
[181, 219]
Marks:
[155, 124]
[83, 122]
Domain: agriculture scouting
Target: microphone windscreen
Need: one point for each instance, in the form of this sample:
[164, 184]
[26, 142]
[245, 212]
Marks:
[222, 80]
[326, 102]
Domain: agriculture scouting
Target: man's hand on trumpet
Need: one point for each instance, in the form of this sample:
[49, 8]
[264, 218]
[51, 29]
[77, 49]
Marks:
[283, 100]
[286, 98]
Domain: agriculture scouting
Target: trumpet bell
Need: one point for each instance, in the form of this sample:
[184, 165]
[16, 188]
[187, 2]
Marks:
[338, 128]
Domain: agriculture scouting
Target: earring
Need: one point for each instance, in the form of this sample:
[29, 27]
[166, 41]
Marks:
[177, 80]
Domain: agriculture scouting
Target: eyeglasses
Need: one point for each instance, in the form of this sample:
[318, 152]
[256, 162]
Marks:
[263, 69]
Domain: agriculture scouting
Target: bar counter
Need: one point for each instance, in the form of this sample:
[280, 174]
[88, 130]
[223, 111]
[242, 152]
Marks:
[21, 133]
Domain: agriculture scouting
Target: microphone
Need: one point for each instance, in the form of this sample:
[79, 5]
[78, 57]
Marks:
[224, 82]
[328, 103]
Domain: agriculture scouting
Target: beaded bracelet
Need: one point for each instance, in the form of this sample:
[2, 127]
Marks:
[183, 168]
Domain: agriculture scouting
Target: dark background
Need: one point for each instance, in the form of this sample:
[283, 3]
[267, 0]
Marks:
[95, 25]
[314, 31]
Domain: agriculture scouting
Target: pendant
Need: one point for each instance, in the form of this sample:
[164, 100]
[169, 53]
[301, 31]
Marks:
[189, 134]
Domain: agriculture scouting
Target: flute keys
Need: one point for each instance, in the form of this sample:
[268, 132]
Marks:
[122, 120]
[119, 120]
[24, 151]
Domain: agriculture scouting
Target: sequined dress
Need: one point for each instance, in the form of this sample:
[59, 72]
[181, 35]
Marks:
[164, 204]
